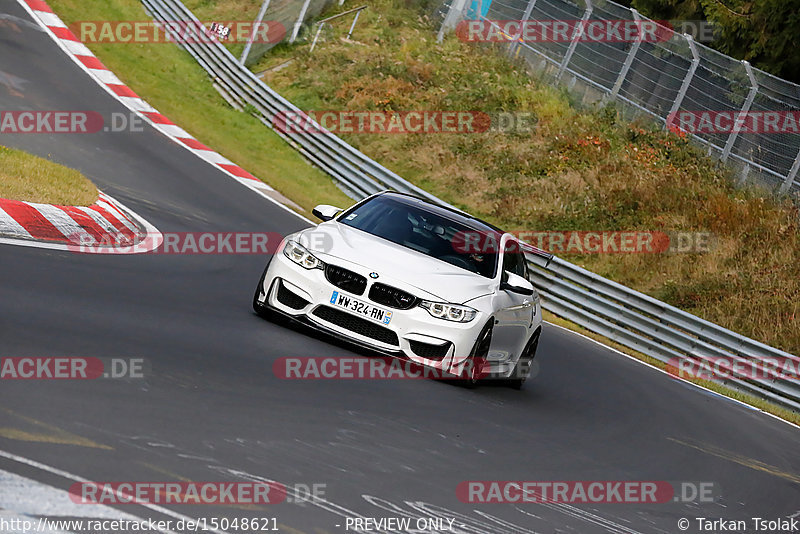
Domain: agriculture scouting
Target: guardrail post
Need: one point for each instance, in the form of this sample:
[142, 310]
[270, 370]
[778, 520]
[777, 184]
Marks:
[257, 23]
[525, 16]
[686, 81]
[792, 175]
[751, 96]
[299, 22]
[628, 60]
[576, 37]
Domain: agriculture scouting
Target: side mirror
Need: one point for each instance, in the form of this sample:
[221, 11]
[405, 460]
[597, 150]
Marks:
[516, 284]
[325, 212]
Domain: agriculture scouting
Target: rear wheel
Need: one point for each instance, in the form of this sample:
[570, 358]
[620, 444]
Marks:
[523, 367]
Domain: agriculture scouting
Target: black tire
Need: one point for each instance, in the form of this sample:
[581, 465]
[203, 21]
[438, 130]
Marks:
[523, 367]
[473, 375]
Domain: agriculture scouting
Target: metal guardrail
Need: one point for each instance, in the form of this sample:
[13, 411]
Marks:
[625, 316]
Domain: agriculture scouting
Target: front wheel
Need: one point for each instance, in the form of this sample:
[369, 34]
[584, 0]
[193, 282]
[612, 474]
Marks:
[523, 367]
[474, 370]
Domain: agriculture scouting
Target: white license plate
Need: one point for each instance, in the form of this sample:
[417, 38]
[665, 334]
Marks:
[373, 313]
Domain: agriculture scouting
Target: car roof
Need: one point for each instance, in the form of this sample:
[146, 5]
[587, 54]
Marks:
[443, 211]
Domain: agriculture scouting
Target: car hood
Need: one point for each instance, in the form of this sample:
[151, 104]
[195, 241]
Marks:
[391, 261]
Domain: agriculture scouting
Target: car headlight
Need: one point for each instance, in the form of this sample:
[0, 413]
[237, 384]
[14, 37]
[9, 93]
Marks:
[449, 312]
[301, 256]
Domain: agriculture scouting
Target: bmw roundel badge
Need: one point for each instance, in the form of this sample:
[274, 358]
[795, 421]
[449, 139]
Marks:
[373, 275]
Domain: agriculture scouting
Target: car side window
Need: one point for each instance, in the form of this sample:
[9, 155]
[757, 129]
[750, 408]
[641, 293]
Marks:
[514, 259]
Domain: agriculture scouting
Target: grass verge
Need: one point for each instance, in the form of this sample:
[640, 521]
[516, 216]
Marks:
[30, 178]
[170, 80]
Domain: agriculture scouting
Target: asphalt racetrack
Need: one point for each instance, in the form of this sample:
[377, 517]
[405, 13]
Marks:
[209, 407]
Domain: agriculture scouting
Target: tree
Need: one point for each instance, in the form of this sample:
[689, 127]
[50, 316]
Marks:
[670, 9]
[764, 32]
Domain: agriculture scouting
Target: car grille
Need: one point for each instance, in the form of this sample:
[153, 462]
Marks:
[392, 297]
[356, 324]
[345, 279]
[428, 351]
[289, 298]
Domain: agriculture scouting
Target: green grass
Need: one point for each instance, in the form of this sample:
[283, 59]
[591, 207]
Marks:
[171, 81]
[30, 178]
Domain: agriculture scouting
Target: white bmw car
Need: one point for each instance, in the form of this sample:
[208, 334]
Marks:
[412, 279]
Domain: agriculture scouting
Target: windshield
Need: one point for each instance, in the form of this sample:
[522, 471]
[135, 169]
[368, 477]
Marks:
[432, 231]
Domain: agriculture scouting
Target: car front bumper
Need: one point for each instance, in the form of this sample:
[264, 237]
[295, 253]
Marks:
[306, 294]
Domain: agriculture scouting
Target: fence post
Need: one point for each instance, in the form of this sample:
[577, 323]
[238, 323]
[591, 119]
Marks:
[453, 17]
[744, 174]
[576, 37]
[751, 96]
[792, 175]
[525, 16]
[299, 22]
[686, 81]
[353, 25]
[628, 60]
[259, 18]
[316, 36]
